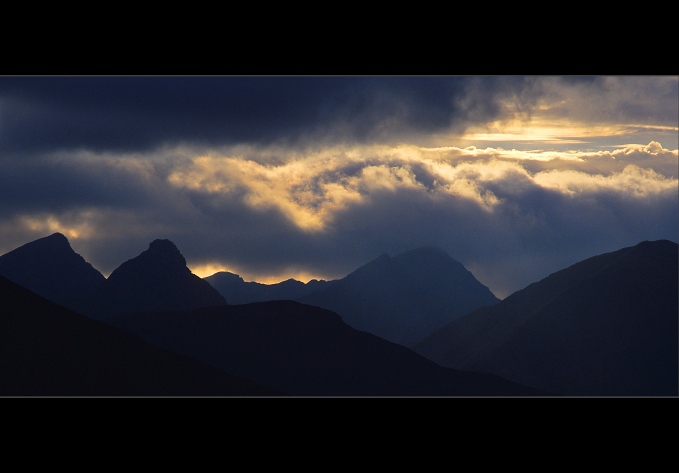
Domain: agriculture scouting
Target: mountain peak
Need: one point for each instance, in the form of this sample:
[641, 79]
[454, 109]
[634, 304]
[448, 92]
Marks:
[225, 276]
[655, 245]
[163, 252]
[57, 237]
[49, 267]
[54, 242]
[404, 297]
[162, 257]
[163, 246]
[155, 280]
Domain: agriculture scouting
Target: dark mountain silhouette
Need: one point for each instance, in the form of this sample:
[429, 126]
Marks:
[49, 350]
[606, 326]
[405, 297]
[237, 291]
[307, 351]
[49, 267]
[158, 279]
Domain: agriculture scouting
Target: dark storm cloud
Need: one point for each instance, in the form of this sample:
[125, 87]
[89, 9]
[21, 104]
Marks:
[58, 185]
[40, 114]
[614, 99]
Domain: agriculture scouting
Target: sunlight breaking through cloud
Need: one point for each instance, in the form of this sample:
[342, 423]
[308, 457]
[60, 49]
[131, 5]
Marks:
[515, 176]
[633, 181]
[310, 190]
[71, 226]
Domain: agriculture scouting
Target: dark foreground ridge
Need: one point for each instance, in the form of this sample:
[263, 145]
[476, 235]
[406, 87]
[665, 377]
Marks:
[308, 351]
[48, 350]
[606, 326]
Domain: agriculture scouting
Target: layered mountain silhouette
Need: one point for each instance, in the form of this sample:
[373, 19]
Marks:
[405, 297]
[606, 326]
[49, 267]
[49, 350]
[237, 291]
[307, 351]
[416, 324]
[156, 280]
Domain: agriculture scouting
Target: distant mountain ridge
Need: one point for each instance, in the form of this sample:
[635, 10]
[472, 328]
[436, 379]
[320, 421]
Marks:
[400, 298]
[237, 291]
[405, 297]
[604, 326]
[49, 267]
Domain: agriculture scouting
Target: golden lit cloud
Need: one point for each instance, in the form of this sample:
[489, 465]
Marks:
[45, 224]
[309, 190]
[576, 112]
[208, 269]
[632, 181]
[544, 130]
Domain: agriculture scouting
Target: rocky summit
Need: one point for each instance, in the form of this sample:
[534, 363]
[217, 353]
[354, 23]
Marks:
[157, 279]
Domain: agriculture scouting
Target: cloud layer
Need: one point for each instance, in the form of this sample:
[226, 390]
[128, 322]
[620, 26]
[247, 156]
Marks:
[311, 177]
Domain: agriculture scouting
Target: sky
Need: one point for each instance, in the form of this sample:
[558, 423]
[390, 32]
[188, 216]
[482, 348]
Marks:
[277, 177]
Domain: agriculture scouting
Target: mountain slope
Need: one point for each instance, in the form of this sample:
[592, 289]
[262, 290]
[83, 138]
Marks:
[237, 291]
[48, 350]
[307, 351]
[157, 279]
[49, 267]
[604, 326]
[405, 297]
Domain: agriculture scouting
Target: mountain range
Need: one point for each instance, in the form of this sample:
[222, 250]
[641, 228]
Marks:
[400, 298]
[156, 279]
[238, 291]
[262, 348]
[404, 297]
[606, 326]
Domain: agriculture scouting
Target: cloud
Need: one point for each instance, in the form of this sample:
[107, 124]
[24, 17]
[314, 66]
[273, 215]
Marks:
[119, 114]
[595, 111]
[358, 202]
[315, 176]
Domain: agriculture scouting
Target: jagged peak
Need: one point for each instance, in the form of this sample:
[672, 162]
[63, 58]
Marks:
[52, 245]
[165, 252]
[161, 253]
[57, 236]
[55, 239]
[163, 246]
